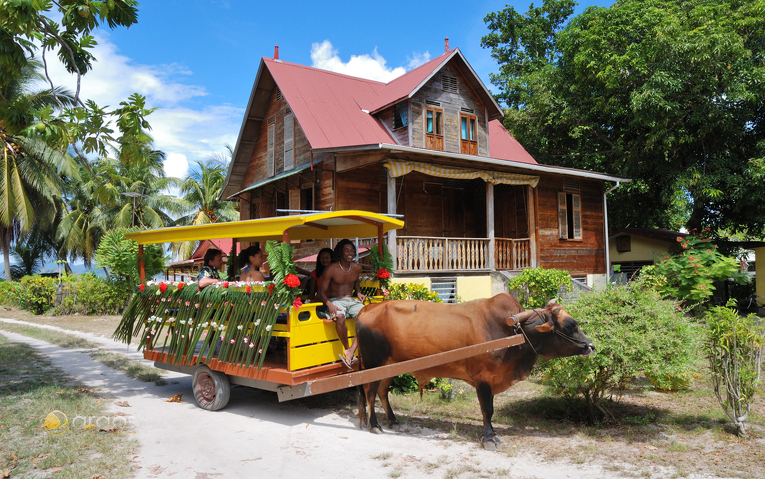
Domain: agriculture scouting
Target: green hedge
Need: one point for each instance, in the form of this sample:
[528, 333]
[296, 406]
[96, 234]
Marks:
[81, 294]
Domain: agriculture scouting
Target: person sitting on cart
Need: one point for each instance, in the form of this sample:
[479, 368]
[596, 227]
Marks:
[338, 282]
[323, 259]
[209, 273]
[250, 260]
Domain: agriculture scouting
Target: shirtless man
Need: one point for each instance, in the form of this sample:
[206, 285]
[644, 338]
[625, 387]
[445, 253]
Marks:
[336, 290]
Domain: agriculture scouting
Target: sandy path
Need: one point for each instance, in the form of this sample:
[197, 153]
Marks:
[257, 435]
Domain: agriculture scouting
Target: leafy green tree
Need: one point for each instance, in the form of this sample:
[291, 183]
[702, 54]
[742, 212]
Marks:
[82, 224]
[537, 286]
[667, 92]
[30, 30]
[201, 191]
[120, 255]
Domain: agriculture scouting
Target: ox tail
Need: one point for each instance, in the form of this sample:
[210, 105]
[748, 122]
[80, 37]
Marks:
[361, 402]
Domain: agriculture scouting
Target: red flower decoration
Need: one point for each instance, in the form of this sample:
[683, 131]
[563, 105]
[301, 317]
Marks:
[297, 303]
[162, 287]
[225, 284]
[181, 285]
[248, 290]
[271, 289]
[291, 281]
[383, 273]
[141, 287]
[679, 239]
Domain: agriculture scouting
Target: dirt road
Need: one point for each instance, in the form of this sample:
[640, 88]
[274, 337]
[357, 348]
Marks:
[257, 435]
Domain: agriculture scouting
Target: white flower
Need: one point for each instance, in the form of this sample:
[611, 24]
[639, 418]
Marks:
[239, 327]
[206, 324]
[191, 323]
[268, 328]
[257, 322]
[214, 324]
[183, 321]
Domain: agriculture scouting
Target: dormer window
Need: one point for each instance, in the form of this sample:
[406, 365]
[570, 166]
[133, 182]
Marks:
[400, 115]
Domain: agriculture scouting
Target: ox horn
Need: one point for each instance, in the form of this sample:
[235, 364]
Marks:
[524, 316]
[521, 317]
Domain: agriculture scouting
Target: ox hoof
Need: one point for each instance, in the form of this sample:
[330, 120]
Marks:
[489, 446]
[376, 430]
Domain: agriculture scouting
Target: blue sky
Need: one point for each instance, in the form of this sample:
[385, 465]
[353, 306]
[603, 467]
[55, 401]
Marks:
[197, 59]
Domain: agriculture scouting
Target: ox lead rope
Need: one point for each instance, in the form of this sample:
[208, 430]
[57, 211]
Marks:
[562, 334]
[518, 326]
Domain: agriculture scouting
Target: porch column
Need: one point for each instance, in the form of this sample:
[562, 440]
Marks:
[392, 211]
[490, 223]
[532, 225]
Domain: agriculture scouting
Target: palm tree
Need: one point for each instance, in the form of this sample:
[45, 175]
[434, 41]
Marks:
[133, 189]
[81, 226]
[201, 192]
[29, 169]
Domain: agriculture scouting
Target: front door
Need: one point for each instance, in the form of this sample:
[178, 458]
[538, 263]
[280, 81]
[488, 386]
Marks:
[453, 212]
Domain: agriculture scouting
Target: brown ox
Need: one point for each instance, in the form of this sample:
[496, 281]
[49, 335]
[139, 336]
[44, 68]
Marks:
[395, 331]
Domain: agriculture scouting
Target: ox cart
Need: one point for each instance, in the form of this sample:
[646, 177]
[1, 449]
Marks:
[221, 334]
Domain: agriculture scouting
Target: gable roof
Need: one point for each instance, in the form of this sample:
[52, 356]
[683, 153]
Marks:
[337, 111]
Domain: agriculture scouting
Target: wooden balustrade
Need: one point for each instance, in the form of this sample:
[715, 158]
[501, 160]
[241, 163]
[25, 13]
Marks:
[428, 254]
[512, 254]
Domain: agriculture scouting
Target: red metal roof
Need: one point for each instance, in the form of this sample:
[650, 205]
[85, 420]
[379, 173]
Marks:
[504, 146]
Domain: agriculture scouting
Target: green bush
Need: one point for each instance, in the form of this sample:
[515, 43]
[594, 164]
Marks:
[12, 294]
[734, 349]
[39, 293]
[412, 291]
[692, 273]
[537, 286]
[120, 255]
[635, 332]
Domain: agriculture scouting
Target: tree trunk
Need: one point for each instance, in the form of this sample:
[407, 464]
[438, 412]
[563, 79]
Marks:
[5, 239]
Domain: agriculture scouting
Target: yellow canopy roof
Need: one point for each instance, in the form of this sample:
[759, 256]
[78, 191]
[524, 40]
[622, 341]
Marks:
[335, 224]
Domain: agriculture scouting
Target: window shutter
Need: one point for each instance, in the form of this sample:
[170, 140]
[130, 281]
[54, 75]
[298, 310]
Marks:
[289, 142]
[562, 216]
[576, 209]
[270, 151]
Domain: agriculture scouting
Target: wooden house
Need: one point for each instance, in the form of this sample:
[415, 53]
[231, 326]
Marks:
[428, 146]
[188, 269]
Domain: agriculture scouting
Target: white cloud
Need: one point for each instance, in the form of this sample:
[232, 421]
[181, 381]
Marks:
[371, 67]
[176, 165]
[184, 133]
[417, 60]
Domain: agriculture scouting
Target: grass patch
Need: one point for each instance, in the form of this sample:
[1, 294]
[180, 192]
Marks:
[34, 389]
[58, 338]
[130, 367]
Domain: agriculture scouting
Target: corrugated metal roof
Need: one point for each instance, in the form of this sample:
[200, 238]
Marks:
[505, 147]
[329, 105]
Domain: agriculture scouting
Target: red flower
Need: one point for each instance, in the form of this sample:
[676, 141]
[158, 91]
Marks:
[248, 290]
[225, 284]
[271, 289]
[383, 273]
[141, 287]
[679, 239]
[162, 287]
[685, 246]
[181, 285]
[291, 281]
[297, 303]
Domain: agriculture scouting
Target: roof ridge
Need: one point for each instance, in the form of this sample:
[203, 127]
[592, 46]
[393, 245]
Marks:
[328, 72]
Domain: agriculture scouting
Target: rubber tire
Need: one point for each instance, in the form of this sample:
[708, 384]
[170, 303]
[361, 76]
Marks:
[211, 388]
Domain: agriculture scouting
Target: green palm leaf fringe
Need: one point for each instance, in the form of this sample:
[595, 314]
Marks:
[231, 322]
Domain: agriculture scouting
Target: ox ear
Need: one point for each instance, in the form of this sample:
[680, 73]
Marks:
[545, 328]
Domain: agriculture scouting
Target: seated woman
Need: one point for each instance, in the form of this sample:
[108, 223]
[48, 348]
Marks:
[323, 259]
[250, 259]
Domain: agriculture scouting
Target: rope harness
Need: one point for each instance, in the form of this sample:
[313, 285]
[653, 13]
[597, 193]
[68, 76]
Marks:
[561, 334]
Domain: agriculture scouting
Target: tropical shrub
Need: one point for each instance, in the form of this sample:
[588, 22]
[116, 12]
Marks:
[734, 348]
[39, 293]
[635, 332]
[89, 294]
[12, 294]
[383, 267]
[120, 255]
[412, 291]
[691, 273]
[537, 286]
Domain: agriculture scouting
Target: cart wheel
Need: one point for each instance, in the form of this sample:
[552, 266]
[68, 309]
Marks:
[211, 388]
